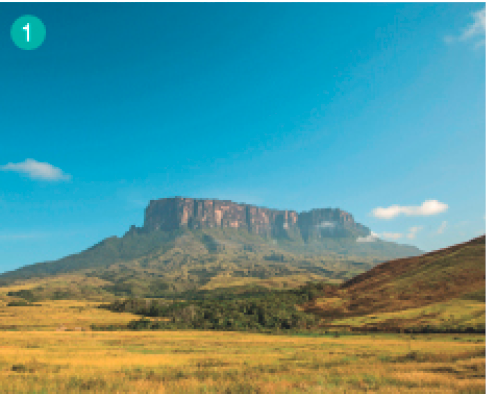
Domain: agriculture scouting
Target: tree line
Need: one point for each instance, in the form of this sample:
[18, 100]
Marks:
[275, 310]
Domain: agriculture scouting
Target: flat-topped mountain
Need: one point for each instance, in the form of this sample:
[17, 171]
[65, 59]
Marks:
[169, 214]
[188, 244]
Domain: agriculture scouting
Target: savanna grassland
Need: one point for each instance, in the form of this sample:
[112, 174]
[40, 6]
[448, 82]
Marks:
[234, 362]
[37, 358]
[305, 339]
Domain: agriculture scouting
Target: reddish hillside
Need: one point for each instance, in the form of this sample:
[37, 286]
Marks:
[411, 282]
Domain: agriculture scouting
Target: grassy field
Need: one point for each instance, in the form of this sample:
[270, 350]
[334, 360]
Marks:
[230, 362]
[35, 358]
[52, 315]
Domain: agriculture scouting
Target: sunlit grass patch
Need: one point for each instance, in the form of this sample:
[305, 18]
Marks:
[221, 362]
[59, 314]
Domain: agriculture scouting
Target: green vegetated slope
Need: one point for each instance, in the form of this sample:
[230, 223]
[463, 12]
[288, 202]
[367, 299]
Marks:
[162, 263]
[444, 289]
[439, 291]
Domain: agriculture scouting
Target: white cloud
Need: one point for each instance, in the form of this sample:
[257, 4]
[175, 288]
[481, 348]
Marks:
[442, 227]
[429, 207]
[474, 30]
[392, 235]
[412, 232]
[369, 238]
[37, 170]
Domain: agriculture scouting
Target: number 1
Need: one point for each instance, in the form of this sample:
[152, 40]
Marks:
[26, 28]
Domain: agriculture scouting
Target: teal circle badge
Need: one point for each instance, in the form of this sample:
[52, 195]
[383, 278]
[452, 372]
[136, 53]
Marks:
[28, 32]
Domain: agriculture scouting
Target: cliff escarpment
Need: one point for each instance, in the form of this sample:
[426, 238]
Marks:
[169, 214]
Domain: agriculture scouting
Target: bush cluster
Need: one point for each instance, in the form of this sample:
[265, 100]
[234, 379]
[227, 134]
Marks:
[25, 294]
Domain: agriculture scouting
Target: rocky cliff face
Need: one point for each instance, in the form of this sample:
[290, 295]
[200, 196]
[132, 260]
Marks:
[173, 213]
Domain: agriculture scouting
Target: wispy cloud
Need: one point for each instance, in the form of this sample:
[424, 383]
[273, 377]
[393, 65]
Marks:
[429, 207]
[442, 227]
[369, 238]
[474, 31]
[412, 232]
[37, 170]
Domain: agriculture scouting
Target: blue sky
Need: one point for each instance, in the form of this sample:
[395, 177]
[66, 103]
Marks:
[378, 109]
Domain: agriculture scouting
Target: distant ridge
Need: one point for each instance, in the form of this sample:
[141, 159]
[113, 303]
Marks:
[381, 273]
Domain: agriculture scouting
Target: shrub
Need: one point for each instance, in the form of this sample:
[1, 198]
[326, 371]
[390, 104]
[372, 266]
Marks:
[20, 303]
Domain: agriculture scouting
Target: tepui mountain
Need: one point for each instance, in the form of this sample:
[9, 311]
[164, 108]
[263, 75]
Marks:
[188, 244]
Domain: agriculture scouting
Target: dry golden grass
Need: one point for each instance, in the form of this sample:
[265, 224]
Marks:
[230, 362]
[51, 315]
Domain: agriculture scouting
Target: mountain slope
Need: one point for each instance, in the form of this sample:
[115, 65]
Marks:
[411, 290]
[416, 281]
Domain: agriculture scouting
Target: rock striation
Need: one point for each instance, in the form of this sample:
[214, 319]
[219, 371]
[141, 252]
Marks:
[169, 214]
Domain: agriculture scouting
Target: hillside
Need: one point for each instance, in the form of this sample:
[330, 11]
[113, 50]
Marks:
[188, 245]
[445, 287]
